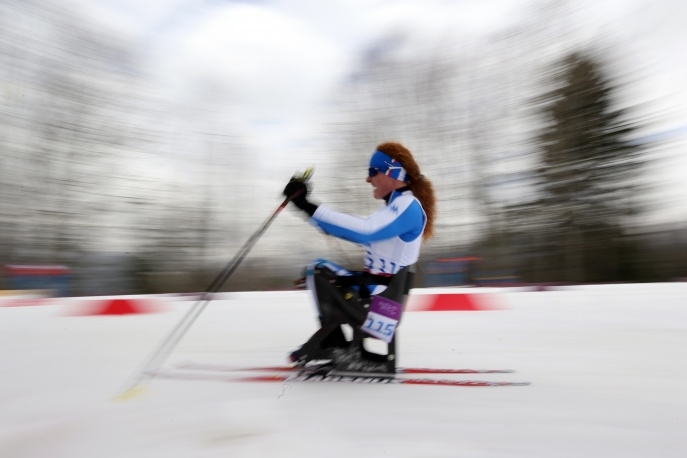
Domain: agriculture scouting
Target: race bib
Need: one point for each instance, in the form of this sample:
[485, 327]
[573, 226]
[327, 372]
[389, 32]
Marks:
[382, 318]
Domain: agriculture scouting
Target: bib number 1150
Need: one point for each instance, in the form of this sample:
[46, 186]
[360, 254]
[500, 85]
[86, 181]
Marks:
[382, 318]
[380, 326]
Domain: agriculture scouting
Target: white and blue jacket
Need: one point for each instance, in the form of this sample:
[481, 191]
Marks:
[392, 235]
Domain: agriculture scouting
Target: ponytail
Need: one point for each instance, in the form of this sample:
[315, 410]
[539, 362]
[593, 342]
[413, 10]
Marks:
[420, 186]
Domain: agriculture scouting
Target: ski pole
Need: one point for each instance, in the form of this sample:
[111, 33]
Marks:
[158, 357]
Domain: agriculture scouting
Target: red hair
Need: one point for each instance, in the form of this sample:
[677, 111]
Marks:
[420, 186]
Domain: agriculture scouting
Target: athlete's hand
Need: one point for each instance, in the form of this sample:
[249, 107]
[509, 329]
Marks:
[298, 192]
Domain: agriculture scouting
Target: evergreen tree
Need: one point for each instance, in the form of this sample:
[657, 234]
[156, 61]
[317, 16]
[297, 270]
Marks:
[586, 175]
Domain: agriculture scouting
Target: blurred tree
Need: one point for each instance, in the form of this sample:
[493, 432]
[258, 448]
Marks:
[586, 176]
[62, 130]
[94, 156]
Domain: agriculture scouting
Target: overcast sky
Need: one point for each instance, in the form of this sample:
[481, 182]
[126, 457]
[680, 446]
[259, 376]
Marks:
[285, 56]
[310, 45]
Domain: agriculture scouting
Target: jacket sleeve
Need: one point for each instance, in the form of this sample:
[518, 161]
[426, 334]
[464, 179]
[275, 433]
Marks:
[403, 218]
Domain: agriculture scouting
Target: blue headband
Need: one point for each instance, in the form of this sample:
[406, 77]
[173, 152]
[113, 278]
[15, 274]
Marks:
[388, 166]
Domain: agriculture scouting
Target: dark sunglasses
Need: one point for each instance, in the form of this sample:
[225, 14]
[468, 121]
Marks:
[372, 172]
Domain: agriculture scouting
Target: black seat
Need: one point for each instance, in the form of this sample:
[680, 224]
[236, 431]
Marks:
[397, 291]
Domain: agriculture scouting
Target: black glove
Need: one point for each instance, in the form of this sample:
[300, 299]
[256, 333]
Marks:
[298, 192]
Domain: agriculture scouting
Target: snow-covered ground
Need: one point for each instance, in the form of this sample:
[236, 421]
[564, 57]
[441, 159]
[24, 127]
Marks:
[607, 366]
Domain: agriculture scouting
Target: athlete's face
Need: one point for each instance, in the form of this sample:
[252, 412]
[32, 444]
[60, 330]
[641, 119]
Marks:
[383, 185]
